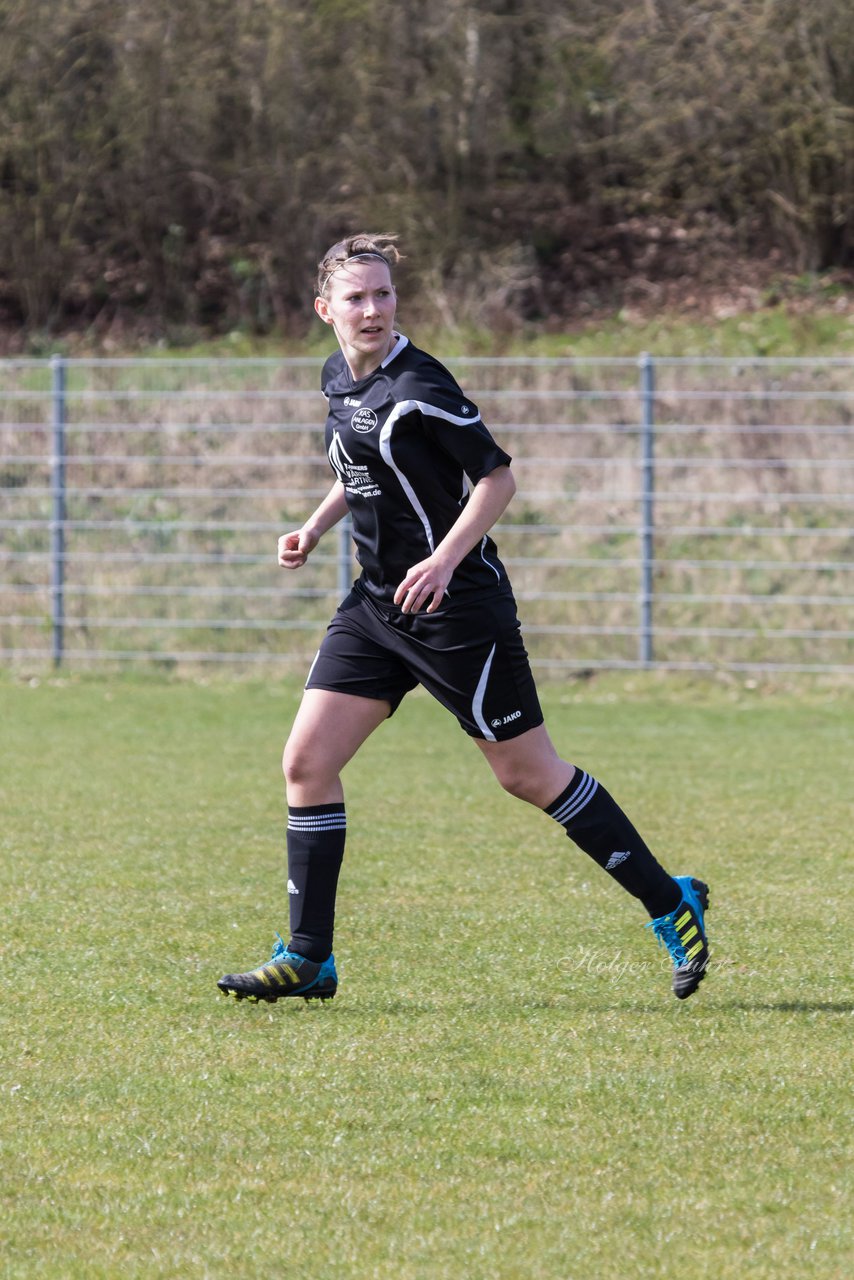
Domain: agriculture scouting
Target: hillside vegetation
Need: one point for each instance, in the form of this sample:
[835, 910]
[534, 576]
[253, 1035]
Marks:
[173, 169]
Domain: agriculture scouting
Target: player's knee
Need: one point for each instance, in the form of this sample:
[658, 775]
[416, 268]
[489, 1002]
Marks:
[515, 781]
[301, 766]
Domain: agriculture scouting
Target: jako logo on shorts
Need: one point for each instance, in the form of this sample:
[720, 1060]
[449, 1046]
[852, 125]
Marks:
[499, 721]
[363, 420]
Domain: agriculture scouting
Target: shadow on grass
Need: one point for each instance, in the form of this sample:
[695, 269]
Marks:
[794, 1006]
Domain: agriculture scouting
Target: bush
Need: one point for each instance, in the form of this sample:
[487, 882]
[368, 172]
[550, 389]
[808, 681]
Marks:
[191, 162]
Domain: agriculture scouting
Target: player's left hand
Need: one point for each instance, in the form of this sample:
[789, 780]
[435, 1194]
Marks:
[427, 581]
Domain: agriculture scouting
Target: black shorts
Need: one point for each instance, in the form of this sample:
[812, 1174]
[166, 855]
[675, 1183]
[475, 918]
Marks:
[470, 657]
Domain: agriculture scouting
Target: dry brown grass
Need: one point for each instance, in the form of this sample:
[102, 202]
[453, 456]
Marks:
[180, 476]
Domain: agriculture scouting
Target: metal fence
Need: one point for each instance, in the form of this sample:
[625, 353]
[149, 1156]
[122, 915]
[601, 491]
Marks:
[671, 513]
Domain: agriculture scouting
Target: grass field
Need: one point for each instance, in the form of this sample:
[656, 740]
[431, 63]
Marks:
[504, 1088]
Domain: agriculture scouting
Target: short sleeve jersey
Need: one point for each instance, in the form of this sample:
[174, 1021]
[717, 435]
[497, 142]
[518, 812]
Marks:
[405, 442]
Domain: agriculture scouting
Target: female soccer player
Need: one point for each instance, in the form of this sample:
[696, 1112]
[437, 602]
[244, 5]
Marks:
[424, 482]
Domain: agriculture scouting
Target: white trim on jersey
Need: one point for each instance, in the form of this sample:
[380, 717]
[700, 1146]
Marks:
[485, 561]
[430, 411]
[335, 454]
[480, 693]
[402, 341]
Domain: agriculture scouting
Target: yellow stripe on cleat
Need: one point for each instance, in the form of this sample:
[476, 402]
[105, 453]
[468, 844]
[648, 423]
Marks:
[692, 933]
[287, 971]
[698, 946]
[683, 920]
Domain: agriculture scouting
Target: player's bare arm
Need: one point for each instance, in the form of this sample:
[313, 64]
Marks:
[428, 580]
[296, 546]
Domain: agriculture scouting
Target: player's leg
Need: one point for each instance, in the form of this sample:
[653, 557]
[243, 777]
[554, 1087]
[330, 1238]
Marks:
[473, 660]
[328, 730]
[528, 766]
[480, 668]
[355, 683]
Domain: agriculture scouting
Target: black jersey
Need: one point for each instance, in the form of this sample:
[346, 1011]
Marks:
[403, 441]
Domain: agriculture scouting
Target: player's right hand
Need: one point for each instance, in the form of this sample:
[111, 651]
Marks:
[295, 548]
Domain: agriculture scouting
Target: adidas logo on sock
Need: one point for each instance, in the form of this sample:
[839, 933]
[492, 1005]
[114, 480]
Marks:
[616, 858]
[293, 889]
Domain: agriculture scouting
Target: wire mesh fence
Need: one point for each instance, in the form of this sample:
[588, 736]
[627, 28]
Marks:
[670, 513]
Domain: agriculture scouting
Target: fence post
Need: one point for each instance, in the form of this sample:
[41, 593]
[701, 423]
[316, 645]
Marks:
[57, 522]
[345, 557]
[646, 652]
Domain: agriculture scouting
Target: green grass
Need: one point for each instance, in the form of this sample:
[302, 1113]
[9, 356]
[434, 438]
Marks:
[819, 327]
[504, 1088]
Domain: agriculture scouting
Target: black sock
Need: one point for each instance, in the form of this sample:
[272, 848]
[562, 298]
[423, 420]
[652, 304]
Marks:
[598, 825]
[315, 851]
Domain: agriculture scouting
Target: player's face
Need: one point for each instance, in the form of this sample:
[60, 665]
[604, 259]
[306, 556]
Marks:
[360, 303]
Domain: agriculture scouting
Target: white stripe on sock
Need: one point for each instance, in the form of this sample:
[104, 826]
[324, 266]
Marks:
[318, 822]
[581, 796]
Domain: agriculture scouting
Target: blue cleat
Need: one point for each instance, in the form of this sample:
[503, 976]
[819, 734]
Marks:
[683, 933]
[286, 974]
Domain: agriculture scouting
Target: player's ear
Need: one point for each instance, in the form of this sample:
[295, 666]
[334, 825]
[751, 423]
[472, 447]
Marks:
[321, 306]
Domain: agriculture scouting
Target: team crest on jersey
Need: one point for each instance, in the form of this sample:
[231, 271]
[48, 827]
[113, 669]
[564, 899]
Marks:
[364, 420]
